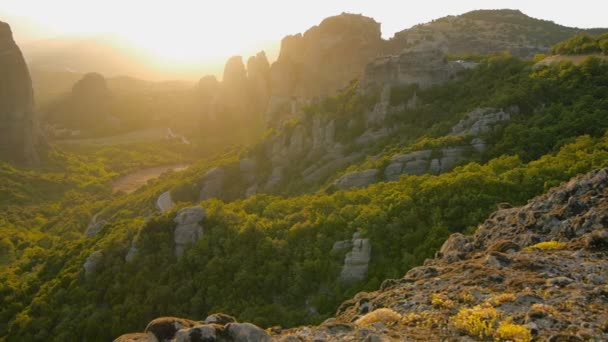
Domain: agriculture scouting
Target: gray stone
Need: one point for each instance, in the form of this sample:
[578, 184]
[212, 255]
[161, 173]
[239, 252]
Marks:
[92, 262]
[479, 145]
[416, 167]
[358, 179]
[164, 203]
[356, 261]
[393, 171]
[95, 226]
[213, 183]
[248, 168]
[196, 334]
[246, 332]
[188, 229]
[276, 177]
[480, 121]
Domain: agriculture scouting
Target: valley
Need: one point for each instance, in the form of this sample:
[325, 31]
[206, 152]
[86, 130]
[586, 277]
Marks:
[448, 183]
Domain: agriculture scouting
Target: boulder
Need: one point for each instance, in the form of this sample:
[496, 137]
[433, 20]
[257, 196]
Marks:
[188, 229]
[164, 329]
[198, 333]
[246, 332]
[20, 137]
[219, 318]
[92, 262]
[359, 179]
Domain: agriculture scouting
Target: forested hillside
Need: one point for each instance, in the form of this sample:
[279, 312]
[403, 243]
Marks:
[270, 258]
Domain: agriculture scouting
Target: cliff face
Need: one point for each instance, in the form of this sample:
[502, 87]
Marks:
[539, 271]
[416, 55]
[323, 59]
[19, 137]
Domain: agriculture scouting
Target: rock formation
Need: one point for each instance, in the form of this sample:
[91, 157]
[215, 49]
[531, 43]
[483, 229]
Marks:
[86, 111]
[323, 60]
[217, 327]
[188, 229]
[356, 260]
[164, 202]
[20, 140]
[92, 262]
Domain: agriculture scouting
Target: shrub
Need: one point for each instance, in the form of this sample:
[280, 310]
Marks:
[440, 300]
[508, 331]
[478, 321]
[383, 315]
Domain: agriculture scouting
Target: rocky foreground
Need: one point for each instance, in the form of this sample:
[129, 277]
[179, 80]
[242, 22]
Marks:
[537, 272]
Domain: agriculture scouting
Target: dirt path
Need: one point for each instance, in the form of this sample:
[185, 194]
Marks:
[133, 181]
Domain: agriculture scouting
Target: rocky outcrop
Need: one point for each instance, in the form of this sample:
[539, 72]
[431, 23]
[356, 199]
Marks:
[216, 327]
[213, 183]
[20, 139]
[356, 261]
[323, 60]
[480, 121]
[188, 229]
[92, 263]
[164, 202]
[95, 226]
[359, 179]
[422, 67]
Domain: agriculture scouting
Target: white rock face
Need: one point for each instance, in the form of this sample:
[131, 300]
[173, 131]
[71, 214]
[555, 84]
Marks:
[356, 261]
[188, 229]
[92, 263]
[164, 202]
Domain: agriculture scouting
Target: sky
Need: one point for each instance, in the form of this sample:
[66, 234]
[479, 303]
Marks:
[197, 30]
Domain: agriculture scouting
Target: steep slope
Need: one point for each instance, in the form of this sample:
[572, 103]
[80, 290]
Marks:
[19, 136]
[534, 271]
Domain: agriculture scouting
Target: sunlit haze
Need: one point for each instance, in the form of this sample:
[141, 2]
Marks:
[199, 32]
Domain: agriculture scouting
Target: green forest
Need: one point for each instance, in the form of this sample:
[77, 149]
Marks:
[267, 259]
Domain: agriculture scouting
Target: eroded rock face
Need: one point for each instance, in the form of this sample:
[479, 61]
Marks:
[164, 202]
[188, 229]
[357, 260]
[324, 59]
[480, 121]
[20, 140]
[425, 67]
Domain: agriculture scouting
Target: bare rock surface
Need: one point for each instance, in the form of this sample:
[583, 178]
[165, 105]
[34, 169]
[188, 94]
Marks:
[20, 140]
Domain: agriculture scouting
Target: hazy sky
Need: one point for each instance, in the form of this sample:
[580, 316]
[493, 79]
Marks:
[187, 30]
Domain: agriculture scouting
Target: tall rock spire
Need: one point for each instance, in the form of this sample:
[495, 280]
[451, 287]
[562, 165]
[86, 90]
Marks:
[19, 138]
